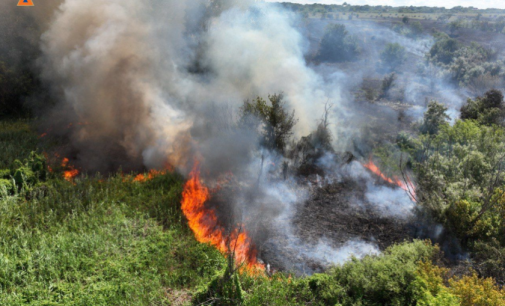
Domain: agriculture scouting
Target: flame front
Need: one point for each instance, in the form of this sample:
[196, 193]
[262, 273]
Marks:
[408, 186]
[149, 176]
[204, 224]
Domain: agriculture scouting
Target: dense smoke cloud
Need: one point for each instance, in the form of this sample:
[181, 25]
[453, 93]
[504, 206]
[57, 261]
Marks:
[146, 78]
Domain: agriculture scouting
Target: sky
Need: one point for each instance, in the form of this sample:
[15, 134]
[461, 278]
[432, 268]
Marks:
[446, 3]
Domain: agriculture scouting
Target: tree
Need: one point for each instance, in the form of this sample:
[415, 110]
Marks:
[337, 45]
[434, 118]
[393, 55]
[487, 110]
[444, 50]
[276, 123]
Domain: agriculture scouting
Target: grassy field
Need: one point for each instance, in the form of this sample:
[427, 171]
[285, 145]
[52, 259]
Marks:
[113, 241]
[102, 241]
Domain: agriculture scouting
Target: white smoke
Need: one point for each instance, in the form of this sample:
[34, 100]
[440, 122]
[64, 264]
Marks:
[123, 68]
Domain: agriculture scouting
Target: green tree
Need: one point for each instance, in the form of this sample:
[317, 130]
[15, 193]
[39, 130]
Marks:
[275, 121]
[393, 55]
[434, 118]
[488, 110]
[337, 45]
[444, 50]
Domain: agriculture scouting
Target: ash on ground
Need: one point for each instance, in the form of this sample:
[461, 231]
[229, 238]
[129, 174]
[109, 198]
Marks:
[334, 224]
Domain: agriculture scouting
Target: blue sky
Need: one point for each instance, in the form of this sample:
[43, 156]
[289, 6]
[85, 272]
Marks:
[445, 3]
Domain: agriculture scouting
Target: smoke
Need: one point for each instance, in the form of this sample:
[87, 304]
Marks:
[149, 80]
[145, 84]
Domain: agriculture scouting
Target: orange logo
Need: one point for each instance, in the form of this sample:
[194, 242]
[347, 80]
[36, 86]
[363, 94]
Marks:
[25, 3]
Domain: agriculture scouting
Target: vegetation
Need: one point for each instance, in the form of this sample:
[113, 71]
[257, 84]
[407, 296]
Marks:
[276, 123]
[460, 177]
[99, 241]
[466, 65]
[392, 56]
[337, 45]
[487, 110]
[317, 8]
[116, 241]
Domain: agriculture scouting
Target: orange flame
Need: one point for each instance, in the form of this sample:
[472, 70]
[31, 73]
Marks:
[153, 173]
[71, 172]
[204, 224]
[407, 186]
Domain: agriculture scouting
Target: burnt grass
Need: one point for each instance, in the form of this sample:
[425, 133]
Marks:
[335, 213]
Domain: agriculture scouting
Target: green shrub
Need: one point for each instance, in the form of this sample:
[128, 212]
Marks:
[27, 174]
[392, 56]
[337, 45]
[7, 186]
[488, 110]
[385, 279]
[429, 287]
[434, 118]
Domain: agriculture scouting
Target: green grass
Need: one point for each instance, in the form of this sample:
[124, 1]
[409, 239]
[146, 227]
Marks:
[99, 243]
[102, 241]
[17, 140]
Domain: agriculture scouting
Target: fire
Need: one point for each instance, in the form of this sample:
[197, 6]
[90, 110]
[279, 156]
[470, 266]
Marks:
[407, 186]
[204, 224]
[153, 173]
[71, 172]
[149, 176]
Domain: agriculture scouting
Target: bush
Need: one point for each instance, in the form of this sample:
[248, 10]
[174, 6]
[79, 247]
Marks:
[24, 175]
[417, 28]
[386, 279]
[444, 50]
[489, 257]
[434, 118]
[392, 56]
[429, 287]
[337, 45]
[475, 291]
[387, 83]
[487, 110]
[223, 289]
[455, 165]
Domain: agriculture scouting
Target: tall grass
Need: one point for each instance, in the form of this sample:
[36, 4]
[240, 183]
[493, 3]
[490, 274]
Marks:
[99, 241]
